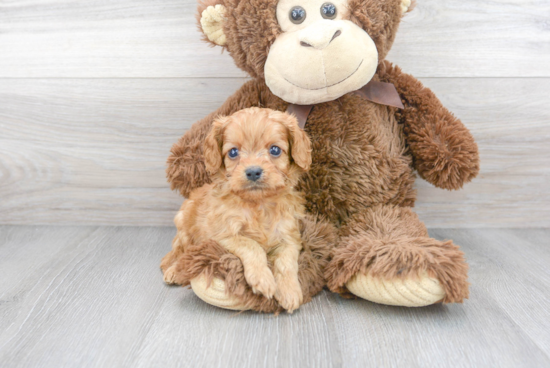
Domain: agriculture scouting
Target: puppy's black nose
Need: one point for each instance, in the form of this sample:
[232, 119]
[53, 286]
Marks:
[254, 173]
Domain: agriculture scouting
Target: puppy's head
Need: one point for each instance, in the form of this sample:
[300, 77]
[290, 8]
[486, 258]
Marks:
[257, 153]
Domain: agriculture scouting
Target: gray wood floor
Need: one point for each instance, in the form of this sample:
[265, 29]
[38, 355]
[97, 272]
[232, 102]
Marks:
[94, 297]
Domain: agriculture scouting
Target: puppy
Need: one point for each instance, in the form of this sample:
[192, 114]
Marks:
[255, 158]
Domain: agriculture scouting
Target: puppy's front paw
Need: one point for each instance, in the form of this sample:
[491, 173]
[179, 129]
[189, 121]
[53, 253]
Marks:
[170, 275]
[289, 293]
[261, 280]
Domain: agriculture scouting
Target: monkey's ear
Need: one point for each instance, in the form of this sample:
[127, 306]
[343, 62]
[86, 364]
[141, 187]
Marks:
[211, 23]
[213, 148]
[407, 5]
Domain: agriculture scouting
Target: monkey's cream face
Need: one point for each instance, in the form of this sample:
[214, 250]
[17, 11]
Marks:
[320, 55]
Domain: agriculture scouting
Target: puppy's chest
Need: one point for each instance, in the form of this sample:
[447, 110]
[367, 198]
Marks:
[266, 226]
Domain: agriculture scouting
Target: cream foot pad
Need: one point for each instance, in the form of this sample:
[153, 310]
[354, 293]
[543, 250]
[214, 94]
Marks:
[401, 292]
[215, 294]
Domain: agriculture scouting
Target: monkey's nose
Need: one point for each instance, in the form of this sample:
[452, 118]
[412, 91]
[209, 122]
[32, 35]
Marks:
[254, 173]
[336, 34]
[320, 34]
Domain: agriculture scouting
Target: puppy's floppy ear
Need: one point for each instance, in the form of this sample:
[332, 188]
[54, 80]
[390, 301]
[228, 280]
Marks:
[300, 146]
[213, 147]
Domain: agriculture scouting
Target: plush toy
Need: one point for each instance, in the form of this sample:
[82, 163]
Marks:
[371, 127]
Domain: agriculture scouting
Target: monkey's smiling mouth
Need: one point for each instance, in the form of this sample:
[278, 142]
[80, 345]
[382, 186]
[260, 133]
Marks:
[316, 89]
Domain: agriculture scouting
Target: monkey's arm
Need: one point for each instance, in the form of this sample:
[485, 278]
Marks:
[443, 149]
[186, 170]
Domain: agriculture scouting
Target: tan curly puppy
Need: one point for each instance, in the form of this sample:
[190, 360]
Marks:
[256, 157]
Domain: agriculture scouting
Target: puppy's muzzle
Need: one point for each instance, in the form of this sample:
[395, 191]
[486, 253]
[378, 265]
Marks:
[254, 173]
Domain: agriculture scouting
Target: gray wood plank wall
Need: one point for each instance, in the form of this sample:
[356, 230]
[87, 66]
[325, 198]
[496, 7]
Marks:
[93, 94]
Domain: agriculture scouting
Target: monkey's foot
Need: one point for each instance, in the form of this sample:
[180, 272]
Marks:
[406, 292]
[215, 294]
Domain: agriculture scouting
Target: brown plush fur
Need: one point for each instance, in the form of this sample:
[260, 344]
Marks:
[364, 154]
[392, 242]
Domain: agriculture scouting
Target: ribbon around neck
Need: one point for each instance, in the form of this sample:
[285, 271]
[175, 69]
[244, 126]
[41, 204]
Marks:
[374, 91]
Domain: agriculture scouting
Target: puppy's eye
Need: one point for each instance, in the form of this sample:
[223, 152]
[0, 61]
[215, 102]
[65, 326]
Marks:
[328, 11]
[233, 153]
[275, 151]
[297, 15]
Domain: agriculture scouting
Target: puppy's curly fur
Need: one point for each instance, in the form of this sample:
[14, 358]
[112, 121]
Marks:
[256, 157]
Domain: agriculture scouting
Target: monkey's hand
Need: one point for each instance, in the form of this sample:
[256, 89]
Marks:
[186, 170]
[444, 151]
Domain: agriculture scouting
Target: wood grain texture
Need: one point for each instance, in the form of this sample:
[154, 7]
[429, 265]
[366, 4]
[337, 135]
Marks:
[78, 151]
[141, 38]
[94, 297]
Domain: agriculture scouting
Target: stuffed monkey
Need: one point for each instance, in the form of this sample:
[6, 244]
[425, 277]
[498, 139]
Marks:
[371, 126]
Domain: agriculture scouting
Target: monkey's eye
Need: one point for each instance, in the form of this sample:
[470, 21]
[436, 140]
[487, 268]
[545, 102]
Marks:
[297, 15]
[275, 151]
[328, 11]
[233, 153]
